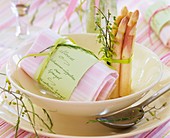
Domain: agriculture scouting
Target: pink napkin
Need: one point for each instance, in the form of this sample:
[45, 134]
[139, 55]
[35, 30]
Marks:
[96, 84]
[157, 7]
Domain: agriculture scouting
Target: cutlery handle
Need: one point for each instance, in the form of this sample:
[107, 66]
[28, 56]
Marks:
[156, 95]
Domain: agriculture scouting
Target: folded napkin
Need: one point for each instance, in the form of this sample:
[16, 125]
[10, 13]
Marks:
[157, 14]
[95, 84]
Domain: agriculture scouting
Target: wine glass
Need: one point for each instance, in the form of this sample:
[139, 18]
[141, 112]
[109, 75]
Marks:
[21, 8]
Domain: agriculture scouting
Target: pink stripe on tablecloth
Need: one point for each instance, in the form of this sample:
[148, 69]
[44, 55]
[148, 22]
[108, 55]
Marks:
[5, 54]
[5, 127]
[157, 44]
[165, 56]
[59, 22]
[2, 122]
[158, 47]
[12, 134]
[22, 134]
[43, 14]
[71, 8]
[160, 129]
[166, 59]
[37, 3]
[8, 23]
[142, 35]
[153, 133]
[166, 62]
[75, 30]
[7, 131]
[29, 135]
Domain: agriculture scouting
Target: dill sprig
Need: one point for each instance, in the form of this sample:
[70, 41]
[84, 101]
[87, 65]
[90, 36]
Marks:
[105, 36]
[153, 111]
[18, 100]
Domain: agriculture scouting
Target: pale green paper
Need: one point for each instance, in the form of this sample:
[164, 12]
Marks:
[160, 19]
[64, 70]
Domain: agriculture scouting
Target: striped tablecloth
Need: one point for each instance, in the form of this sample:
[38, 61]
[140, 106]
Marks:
[66, 17]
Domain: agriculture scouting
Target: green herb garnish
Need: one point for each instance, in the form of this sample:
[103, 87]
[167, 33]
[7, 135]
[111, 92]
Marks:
[105, 36]
[18, 101]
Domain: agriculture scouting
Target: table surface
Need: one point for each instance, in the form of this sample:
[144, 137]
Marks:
[58, 15]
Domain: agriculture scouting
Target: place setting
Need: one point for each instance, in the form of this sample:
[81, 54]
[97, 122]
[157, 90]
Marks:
[76, 118]
[93, 84]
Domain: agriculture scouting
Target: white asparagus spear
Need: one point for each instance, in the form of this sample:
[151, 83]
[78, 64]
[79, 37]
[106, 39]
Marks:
[117, 49]
[124, 12]
[127, 52]
[117, 27]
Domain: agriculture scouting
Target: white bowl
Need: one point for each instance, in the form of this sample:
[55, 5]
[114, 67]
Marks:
[147, 71]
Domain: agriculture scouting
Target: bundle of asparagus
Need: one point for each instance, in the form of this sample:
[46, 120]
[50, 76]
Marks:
[125, 36]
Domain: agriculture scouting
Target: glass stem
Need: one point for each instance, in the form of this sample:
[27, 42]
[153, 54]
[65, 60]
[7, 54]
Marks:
[22, 28]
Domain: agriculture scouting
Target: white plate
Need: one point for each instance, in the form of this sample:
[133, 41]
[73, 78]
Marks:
[69, 126]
